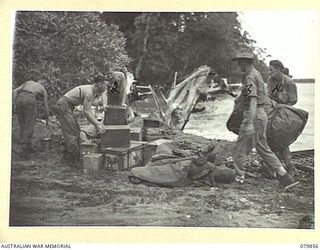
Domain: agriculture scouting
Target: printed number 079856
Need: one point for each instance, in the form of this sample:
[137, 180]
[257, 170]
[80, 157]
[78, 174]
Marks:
[308, 245]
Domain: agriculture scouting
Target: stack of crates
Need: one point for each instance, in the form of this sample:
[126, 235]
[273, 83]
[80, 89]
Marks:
[136, 133]
[152, 127]
[116, 148]
[124, 158]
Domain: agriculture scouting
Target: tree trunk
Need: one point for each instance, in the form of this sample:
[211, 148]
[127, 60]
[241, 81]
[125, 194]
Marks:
[144, 48]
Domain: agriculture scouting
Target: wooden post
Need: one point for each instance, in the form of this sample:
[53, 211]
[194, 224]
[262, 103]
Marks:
[174, 80]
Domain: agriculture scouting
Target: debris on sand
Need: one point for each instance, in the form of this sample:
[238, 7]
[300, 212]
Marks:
[46, 191]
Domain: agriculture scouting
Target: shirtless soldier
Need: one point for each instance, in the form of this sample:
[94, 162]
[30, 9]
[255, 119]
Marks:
[25, 105]
[80, 95]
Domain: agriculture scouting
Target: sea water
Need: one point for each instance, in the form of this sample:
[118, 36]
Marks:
[211, 123]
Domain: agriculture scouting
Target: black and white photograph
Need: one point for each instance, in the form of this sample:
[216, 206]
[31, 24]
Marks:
[163, 119]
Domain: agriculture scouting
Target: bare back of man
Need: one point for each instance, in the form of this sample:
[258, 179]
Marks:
[34, 87]
[24, 101]
[77, 94]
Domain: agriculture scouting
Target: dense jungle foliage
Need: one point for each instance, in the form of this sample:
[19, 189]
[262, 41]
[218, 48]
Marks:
[70, 48]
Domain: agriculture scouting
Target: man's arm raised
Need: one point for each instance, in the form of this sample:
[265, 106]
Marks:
[120, 79]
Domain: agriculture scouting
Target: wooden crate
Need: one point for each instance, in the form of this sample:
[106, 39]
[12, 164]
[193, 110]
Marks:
[152, 131]
[87, 148]
[151, 123]
[115, 136]
[136, 134]
[122, 158]
[151, 148]
[152, 134]
[115, 115]
[153, 120]
[92, 162]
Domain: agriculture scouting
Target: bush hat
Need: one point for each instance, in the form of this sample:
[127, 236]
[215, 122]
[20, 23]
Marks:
[243, 55]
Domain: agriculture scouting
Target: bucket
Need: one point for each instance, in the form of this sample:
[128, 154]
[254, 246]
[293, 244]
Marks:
[45, 144]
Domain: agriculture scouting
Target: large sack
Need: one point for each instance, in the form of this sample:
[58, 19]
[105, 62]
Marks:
[234, 121]
[286, 124]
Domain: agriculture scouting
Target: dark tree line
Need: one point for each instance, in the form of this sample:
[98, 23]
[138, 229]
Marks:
[163, 43]
[71, 47]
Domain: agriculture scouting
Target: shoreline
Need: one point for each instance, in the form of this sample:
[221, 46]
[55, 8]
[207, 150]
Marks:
[304, 81]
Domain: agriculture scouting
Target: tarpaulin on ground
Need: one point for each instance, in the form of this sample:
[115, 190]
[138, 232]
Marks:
[285, 123]
[169, 172]
[183, 161]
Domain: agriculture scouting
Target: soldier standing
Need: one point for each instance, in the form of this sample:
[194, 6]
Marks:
[282, 90]
[253, 127]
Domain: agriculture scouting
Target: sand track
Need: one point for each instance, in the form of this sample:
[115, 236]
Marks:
[47, 192]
